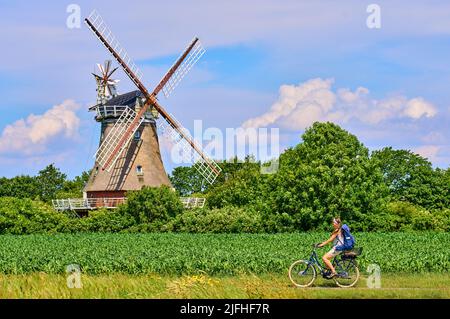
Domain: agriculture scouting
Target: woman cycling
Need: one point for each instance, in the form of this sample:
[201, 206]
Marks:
[338, 241]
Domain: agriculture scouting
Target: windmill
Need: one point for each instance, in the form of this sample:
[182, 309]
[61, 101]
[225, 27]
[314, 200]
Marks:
[129, 146]
[106, 87]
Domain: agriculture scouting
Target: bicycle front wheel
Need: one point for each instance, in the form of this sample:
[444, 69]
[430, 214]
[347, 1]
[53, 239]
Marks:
[347, 273]
[302, 273]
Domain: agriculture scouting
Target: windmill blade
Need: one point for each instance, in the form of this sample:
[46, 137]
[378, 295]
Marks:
[111, 73]
[191, 152]
[112, 82]
[110, 150]
[98, 26]
[107, 91]
[116, 143]
[102, 70]
[180, 68]
[97, 77]
[107, 66]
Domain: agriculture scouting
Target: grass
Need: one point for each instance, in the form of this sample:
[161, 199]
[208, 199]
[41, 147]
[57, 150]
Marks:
[41, 285]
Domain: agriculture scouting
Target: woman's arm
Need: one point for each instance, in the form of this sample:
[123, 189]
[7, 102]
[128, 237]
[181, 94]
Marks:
[332, 237]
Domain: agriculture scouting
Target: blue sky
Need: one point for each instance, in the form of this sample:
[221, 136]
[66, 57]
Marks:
[280, 64]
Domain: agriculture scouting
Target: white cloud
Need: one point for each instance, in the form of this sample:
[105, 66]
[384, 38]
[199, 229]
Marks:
[418, 107]
[35, 133]
[298, 106]
[428, 151]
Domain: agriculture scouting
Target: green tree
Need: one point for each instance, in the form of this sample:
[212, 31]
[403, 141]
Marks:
[329, 174]
[50, 181]
[410, 177]
[22, 186]
[152, 205]
[186, 180]
[73, 188]
[242, 185]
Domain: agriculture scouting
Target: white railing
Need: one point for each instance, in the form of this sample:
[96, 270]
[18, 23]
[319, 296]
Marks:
[95, 203]
[193, 202]
[87, 203]
[109, 110]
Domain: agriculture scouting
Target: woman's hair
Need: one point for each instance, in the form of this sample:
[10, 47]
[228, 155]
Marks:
[337, 220]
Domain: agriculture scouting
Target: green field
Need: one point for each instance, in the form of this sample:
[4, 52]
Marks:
[232, 254]
[413, 265]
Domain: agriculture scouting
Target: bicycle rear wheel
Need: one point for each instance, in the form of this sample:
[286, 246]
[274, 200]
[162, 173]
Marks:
[302, 273]
[347, 273]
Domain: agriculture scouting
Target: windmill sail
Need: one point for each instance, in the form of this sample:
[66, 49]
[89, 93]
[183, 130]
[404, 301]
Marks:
[116, 143]
[180, 68]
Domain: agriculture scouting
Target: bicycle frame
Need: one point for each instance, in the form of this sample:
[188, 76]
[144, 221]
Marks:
[315, 262]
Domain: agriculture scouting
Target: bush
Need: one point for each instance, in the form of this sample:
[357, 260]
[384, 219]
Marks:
[104, 220]
[25, 216]
[404, 216]
[151, 205]
[220, 220]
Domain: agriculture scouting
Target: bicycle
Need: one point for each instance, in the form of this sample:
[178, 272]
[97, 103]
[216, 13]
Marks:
[303, 273]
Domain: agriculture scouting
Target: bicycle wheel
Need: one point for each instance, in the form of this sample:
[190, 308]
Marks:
[347, 273]
[302, 273]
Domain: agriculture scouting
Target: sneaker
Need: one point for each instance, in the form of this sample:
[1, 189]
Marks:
[332, 275]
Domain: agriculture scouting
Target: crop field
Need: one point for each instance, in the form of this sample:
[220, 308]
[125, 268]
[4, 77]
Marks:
[211, 254]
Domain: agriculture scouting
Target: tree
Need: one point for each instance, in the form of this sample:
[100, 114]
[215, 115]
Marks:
[242, 185]
[152, 204]
[50, 181]
[22, 186]
[328, 174]
[186, 180]
[74, 188]
[412, 178]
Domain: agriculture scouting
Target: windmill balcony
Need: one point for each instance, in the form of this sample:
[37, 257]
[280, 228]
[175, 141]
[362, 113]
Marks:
[86, 204]
[109, 111]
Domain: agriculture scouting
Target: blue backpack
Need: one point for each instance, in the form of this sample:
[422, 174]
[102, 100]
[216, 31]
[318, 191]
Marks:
[349, 240]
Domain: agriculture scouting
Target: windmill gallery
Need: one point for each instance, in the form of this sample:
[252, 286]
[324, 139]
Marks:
[128, 156]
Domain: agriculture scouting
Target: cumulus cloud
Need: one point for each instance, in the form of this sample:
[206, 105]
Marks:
[428, 151]
[34, 134]
[418, 107]
[298, 106]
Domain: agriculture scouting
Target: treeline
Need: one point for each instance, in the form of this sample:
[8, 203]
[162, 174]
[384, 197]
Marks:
[329, 173]
[50, 183]
[332, 173]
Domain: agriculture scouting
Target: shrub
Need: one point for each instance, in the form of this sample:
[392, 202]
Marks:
[221, 220]
[25, 216]
[152, 205]
[404, 216]
[104, 220]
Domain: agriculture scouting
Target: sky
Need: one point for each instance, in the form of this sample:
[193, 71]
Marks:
[268, 64]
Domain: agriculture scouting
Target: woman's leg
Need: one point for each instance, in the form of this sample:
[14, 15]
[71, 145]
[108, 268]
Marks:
[327, 260]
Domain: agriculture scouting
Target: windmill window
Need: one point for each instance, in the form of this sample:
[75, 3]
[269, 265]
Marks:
[139, 170]
[137, 136]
